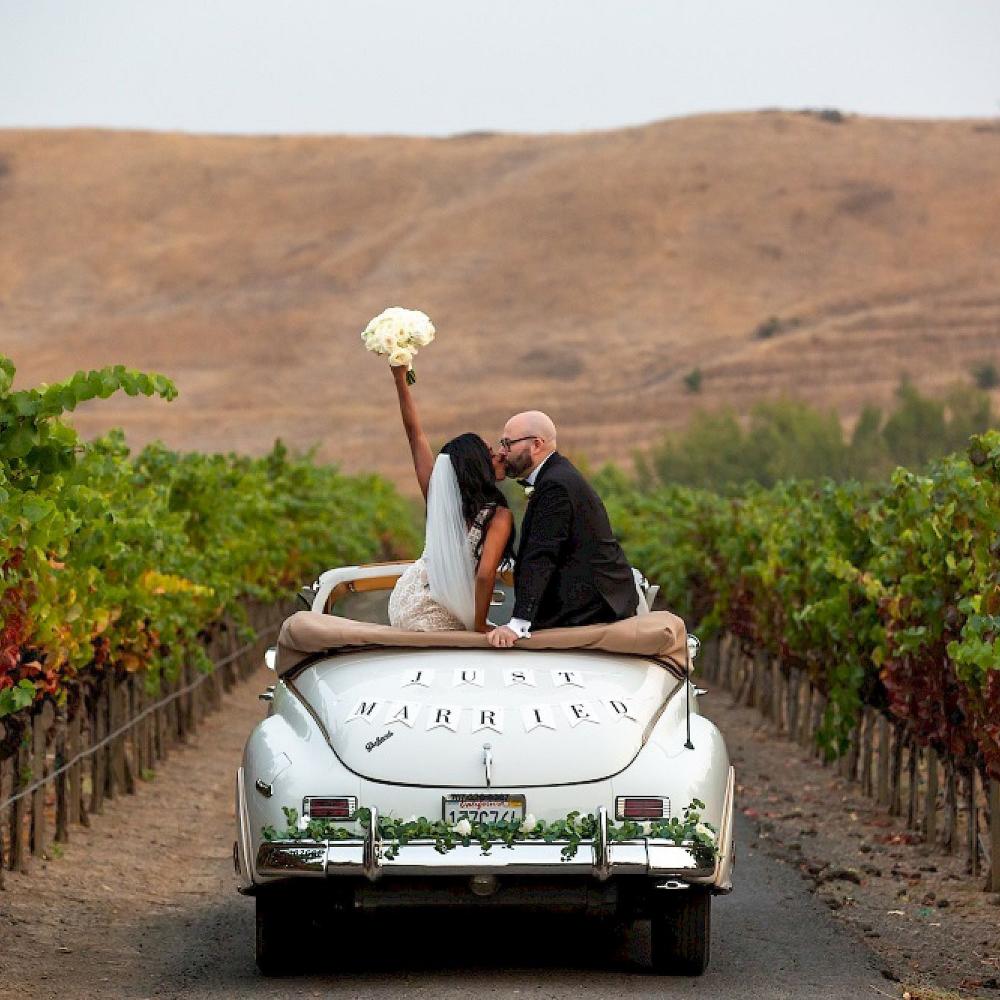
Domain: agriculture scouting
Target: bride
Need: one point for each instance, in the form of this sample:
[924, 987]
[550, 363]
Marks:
[470, 530]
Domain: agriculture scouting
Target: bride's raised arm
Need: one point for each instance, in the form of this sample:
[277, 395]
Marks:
[420, 449]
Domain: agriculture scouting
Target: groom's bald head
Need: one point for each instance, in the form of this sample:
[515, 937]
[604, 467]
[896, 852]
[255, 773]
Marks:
[534, 423]
[532, 437]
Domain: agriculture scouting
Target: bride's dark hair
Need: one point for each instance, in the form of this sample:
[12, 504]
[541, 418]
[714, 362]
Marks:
[477, 483]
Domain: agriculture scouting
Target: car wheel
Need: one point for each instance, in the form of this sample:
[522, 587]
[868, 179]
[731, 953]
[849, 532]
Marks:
[680, 933]
[277, 941]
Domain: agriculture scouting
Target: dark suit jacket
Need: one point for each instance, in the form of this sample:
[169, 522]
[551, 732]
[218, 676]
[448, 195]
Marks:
[570, 569]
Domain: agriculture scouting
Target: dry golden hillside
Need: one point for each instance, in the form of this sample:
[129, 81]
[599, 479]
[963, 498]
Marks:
[584, 274]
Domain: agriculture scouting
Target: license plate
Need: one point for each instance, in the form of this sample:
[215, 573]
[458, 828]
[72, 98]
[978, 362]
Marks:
[478, 808]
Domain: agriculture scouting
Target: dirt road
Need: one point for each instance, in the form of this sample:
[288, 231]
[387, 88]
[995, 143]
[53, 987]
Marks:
[143, 905]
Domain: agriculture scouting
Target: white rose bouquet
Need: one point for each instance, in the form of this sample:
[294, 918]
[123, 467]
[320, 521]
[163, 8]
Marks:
[398, 333]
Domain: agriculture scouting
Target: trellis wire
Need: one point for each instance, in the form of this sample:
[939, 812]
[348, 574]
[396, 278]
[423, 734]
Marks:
[111, 737]
[879, 738]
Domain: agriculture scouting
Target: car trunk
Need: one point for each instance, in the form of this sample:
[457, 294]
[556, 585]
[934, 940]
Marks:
[440, 716]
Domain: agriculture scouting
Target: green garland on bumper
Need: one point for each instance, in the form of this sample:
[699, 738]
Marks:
[689, 831]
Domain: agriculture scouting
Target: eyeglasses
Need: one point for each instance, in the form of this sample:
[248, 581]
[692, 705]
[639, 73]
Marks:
[507, 443]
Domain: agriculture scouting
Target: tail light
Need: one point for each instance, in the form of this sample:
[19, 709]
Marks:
[634, 807]
[339, 807]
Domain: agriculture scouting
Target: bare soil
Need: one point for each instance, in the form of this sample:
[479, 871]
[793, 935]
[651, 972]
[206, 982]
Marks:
[776, 252]
[80, 922]
[913, 904]
[142, 903]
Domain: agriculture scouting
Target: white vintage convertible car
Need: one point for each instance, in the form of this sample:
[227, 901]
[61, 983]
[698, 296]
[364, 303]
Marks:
[394, 769]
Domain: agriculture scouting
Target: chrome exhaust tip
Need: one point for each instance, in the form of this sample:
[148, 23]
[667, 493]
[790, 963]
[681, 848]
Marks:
[483, 885]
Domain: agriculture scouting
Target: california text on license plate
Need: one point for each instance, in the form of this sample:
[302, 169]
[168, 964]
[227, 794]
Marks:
[478, 808]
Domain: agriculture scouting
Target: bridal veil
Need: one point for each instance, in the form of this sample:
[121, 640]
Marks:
[447, 553]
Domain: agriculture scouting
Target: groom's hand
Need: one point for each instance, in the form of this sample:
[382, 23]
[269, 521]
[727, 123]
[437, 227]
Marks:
[502, 637]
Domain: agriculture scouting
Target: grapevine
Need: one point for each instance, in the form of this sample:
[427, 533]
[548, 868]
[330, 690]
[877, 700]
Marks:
[888, 596]
[115, 561]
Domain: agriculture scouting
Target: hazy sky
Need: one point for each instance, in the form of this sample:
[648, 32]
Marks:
[443, 66]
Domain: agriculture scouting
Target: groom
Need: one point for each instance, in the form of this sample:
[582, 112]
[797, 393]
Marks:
[570, 569]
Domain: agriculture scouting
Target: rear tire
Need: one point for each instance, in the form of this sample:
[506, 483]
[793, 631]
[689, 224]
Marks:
[681, 933]
[278, 939]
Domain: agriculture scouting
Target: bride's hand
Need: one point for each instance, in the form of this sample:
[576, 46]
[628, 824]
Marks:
[503, 637]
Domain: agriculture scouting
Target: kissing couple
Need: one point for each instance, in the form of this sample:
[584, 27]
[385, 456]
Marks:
[568, 567]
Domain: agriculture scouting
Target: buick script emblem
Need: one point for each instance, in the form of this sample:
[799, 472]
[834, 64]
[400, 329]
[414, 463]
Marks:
[378, 741]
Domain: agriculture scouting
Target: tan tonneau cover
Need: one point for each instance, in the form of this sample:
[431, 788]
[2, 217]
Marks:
[658, 633]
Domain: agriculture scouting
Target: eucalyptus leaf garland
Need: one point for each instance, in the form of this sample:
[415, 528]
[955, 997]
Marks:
[688, 831]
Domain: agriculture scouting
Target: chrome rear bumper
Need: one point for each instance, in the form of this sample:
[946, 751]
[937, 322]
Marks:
[598, 858]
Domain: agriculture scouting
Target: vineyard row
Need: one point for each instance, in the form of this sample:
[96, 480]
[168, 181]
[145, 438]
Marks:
[885, 596]
[110, 736]
[110, 560]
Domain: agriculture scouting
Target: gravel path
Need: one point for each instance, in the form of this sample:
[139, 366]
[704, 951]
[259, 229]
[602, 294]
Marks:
[142, 904]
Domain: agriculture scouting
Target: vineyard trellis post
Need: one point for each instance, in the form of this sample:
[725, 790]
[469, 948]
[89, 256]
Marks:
[127, 733]
[776, 677]
[3, 786]
[792, 687]
[819, 708]
[913, 777]
[867, 737]
[854, 750]
[993, 883]
[18, 854]
[972, 823]
[896, 771]
[62, 779]
[96, 732]
[874, 758]
[950, 833]
[883, 761]
[931, 797]
[805, 726]
[38, 730]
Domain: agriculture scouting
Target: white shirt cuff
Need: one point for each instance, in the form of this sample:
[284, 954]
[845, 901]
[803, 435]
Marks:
[521, 627]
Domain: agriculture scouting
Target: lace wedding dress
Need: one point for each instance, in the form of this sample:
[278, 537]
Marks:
[411, 605]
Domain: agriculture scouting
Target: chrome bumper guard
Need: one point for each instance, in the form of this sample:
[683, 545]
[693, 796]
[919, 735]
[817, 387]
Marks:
[599, 858]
